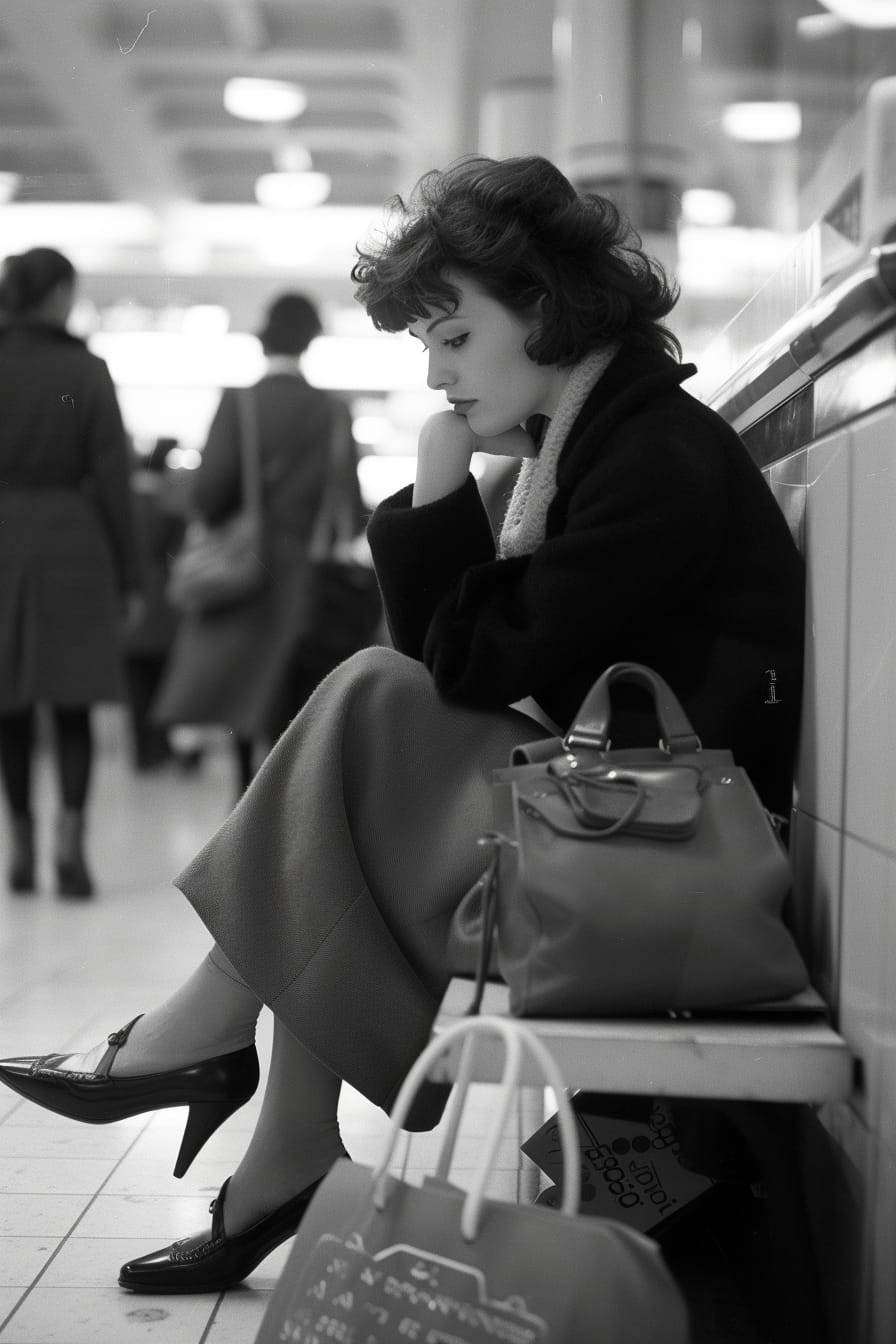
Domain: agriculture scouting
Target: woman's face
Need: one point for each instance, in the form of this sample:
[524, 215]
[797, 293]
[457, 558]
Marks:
[477, 358]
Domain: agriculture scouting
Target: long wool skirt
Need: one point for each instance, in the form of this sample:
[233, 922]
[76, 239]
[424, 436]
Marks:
[332, 884]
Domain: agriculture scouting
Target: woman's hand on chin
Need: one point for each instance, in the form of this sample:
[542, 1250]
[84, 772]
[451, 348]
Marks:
[444, 449]
[513, 442]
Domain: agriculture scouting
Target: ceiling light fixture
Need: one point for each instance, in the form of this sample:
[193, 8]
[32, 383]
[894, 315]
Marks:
[707, 207]
[817, 27]
[763, 122]
[292, 191]
[9, 185]
[864, 13]
[264, 99]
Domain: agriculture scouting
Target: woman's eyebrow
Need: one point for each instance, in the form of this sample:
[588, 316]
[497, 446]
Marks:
[446, 317]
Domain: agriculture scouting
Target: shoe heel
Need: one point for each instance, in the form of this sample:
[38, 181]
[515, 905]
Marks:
[72, 875]
[203, 1119]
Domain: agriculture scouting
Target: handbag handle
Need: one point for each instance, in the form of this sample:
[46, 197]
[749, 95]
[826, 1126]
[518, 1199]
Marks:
[592, 723]
[515, 1036]
[250, 451]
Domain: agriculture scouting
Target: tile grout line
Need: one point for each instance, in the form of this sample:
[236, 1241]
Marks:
[67, 1236]
[213, 1316]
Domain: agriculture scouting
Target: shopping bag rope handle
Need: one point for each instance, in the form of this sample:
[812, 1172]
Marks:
[516, 1037]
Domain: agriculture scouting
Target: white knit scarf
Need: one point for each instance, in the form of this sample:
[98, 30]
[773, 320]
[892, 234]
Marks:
[524, 522]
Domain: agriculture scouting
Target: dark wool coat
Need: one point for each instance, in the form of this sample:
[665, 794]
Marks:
[664, 546]
[231, 667]
[67, 549]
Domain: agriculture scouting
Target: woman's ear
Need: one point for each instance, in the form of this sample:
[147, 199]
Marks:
[543, 310]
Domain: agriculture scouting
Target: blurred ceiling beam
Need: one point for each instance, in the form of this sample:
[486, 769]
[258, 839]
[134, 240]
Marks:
[359, 139]
[316, 64]
[436, 39]
[245, 26]
[95, 100]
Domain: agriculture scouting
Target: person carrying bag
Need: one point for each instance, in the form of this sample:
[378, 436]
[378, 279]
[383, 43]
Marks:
[221, 565]
[378, 1259]
[629, 881]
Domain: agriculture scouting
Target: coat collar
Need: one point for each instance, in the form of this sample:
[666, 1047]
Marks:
[633, 378]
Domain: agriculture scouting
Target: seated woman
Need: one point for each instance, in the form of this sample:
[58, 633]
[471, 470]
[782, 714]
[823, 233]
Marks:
[639, 529]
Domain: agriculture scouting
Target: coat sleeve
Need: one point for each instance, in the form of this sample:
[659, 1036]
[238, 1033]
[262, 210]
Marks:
[641, 521]
[110, 475]
[421, 555]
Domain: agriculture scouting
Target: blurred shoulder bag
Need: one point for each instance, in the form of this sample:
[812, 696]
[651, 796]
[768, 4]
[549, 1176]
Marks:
[220, 566]
[627, 882]
[377, 1258]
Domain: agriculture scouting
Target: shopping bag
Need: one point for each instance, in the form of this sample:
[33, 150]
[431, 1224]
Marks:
[378, 1260]
[629, 1154]
[631, 881]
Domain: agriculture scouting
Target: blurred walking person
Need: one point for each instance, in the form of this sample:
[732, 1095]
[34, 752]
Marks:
[234, 667]
[161, 524]
[67, 553]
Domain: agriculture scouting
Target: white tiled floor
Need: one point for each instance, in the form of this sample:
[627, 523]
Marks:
[78, 1200]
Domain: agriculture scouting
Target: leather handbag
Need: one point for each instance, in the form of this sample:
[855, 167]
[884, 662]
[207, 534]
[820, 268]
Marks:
[344, 603]
[378, 1258]
[627, 882]
[220, 566]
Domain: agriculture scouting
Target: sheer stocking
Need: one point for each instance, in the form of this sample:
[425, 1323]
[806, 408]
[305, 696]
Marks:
[212, 1013]
[296, 1139]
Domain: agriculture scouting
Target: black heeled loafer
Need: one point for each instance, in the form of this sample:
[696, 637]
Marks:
[213, 1089]
[211, 1261]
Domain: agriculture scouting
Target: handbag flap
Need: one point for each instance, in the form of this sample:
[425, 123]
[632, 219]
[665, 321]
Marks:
[656, 799]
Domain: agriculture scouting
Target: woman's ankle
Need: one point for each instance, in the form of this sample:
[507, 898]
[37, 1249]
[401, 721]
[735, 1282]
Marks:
[213, 1013]
[154, 1048]
[256, 1192]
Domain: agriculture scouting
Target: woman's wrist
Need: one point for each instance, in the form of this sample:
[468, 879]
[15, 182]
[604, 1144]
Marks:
[438, 477]
[444, 452]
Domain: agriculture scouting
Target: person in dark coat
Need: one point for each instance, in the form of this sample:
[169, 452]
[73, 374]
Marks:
[233, 667]
[160, 524]
[638, 529]
[67, 552]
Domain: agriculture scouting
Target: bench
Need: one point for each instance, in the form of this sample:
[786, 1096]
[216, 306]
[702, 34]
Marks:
[783, 1052]
[757, 1066]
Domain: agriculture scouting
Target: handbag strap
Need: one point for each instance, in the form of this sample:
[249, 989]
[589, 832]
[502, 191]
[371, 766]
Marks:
[592, 825]
[516, 1037]
[592, 723]
[250, 450]
[333, 522]
[488, 895]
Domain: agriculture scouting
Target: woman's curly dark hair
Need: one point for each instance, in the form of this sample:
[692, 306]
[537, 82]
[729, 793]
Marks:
[518, 228]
